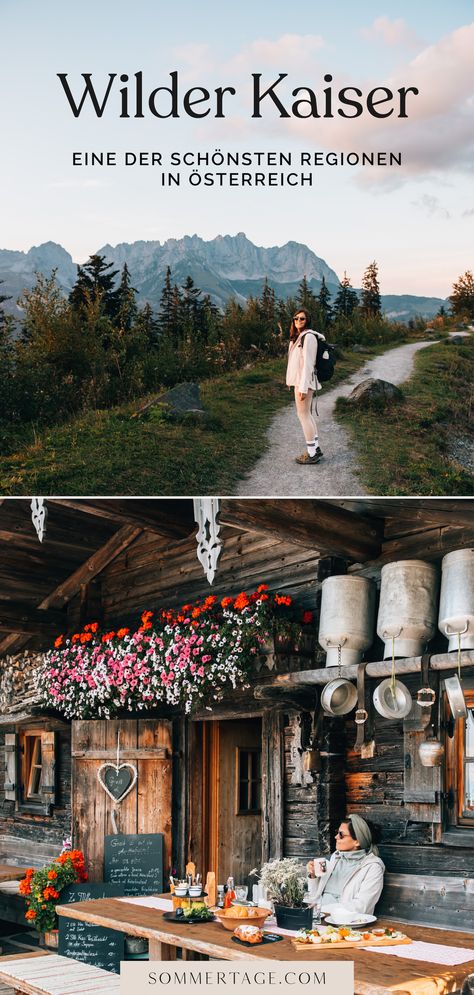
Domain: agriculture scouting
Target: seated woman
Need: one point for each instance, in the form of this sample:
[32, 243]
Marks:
[354, 875]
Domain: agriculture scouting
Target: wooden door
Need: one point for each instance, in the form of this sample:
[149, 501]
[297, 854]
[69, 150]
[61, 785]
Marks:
[145, 743]
[232, 798]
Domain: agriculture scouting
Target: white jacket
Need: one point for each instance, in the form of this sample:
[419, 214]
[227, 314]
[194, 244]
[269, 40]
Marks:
[361, 891]
[300, 371]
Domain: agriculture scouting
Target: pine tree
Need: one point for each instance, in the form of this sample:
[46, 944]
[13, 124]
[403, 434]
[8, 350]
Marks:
[3, 316]
[267, 306]
[95, 281]
[305, 297]
[147, 325]
[371, 304]
[462, 297]
[209, 320]
[176, 313]
[126, 301]
[346, 299]
[166, 305]
[190, 308]
[325, 311]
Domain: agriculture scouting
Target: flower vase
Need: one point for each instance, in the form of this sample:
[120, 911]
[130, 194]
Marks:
[291, 918]
[51, 939]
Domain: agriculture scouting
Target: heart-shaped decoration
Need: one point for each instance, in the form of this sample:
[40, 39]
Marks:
[117, 780]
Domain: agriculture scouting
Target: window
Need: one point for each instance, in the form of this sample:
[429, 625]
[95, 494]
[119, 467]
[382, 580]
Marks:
[459, 784]
[30, 770]
[249, 781]
[466, 764]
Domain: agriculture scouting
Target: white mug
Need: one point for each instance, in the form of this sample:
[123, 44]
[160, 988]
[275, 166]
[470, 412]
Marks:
[320, 866]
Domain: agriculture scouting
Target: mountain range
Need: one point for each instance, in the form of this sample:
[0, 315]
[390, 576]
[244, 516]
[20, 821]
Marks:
[226, 266]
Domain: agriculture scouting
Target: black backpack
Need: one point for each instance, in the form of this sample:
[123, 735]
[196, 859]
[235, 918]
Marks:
[325, 358]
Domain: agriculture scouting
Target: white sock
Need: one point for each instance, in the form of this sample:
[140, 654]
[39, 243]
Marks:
[311, 447]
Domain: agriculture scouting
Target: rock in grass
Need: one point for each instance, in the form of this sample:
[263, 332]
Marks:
[376, 393]
[180, 401]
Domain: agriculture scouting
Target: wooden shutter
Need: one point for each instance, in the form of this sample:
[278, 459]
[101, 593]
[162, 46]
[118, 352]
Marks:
[422, 785]
[11, 777]
[48, 762]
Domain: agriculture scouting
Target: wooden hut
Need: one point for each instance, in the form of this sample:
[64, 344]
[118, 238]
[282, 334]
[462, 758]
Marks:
[232, 786]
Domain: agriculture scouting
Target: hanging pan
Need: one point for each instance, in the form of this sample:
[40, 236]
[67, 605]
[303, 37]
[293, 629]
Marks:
[392, 699]
[338, 697]
[454, 691]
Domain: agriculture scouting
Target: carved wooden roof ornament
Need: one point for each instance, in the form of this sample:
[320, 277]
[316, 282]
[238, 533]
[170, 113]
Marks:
[39, 515]
[206, 511]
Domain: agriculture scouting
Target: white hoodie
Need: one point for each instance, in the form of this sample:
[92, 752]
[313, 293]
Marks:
[300, 371]
[362, 889]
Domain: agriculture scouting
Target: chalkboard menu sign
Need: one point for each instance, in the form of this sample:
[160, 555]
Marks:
[91, 944]
[88, 890]
[135, 863]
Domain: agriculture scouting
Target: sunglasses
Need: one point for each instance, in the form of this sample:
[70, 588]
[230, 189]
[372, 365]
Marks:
[341, 836]
[300, 319]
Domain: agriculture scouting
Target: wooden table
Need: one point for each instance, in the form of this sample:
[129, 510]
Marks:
[375, 974]
[8, 872]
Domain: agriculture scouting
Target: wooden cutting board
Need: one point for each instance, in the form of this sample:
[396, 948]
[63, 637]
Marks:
[377, 941]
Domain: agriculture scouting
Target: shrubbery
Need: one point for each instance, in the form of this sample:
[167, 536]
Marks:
[97, 349]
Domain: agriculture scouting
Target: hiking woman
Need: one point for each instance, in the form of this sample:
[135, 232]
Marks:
[301, 374]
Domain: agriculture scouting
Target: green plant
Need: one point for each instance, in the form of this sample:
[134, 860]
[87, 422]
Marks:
[284, 881]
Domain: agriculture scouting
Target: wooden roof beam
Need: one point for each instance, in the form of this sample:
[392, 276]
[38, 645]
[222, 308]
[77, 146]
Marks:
[314, 524]
[377, 669]
[174, 520]
[72, 585]
[420, 512]
[24, 619]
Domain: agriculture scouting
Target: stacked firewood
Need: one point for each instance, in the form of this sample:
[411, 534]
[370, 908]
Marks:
[18, 689]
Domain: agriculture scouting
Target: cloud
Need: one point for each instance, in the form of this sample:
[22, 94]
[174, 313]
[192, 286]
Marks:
[438, 133]
[437, 136]
[468, 214]
[431, 206]
[195, 60]
[391, 33]
[283, 54]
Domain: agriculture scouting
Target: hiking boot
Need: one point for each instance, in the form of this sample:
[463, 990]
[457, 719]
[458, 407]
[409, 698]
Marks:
[305, 458]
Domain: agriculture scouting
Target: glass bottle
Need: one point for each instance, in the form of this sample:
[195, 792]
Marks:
[230, 893]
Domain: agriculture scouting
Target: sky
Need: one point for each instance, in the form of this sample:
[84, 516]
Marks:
[416, 220]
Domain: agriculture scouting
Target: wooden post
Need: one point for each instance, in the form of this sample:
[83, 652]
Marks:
[272, 784]
[160, 951]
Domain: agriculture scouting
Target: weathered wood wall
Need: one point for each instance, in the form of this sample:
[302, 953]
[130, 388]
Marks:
[154, 572]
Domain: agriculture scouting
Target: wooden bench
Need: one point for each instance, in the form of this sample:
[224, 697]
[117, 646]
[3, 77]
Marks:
[429, 901]
[37, 974]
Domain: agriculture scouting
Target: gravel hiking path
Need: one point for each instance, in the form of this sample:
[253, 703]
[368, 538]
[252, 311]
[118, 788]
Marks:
[277, 475]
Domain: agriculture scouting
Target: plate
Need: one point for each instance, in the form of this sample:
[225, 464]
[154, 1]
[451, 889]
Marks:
[362, 920]
[267, 938]
[185, 920]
